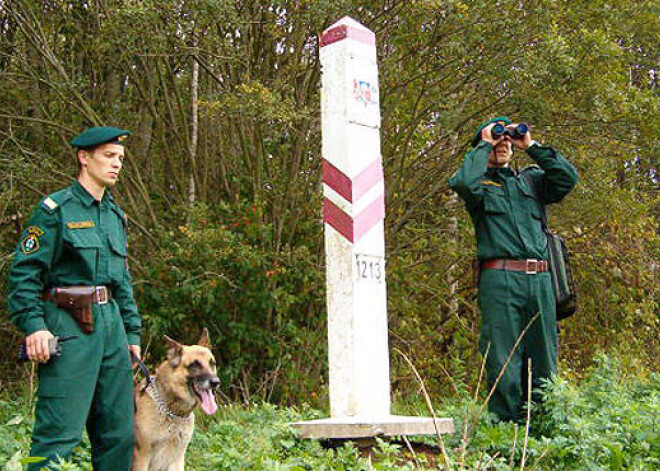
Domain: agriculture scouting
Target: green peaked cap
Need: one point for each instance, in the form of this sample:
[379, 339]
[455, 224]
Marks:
[92, 137]
[477, 137]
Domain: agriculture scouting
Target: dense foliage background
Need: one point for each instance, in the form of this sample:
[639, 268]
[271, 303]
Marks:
[222, 180]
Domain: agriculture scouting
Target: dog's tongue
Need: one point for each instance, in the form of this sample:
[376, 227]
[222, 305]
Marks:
[208, 402]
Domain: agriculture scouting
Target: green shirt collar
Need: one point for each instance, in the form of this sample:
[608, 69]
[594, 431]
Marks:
[87, 198]
[505, 171]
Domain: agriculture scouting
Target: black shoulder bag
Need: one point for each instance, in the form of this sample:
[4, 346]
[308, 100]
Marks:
[558, 255]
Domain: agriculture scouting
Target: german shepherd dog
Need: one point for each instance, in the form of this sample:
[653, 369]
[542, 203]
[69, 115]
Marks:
[164, 418]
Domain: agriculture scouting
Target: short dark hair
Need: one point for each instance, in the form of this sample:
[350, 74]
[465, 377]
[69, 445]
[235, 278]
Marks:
[86, 149]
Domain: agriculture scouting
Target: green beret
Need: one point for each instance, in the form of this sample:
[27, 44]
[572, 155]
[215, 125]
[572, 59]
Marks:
[92, 137]
[477, 137]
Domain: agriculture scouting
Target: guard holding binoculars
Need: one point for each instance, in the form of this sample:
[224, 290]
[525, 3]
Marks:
[69, 281]
[514, 283]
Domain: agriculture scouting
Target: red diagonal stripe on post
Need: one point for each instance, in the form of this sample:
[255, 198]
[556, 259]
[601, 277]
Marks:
[353, 230]
[367, 178]
[337, 180]
[369, 217]
[361, 184]
[338, 219]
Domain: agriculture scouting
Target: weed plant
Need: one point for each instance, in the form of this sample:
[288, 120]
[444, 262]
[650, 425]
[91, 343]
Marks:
[608, 421]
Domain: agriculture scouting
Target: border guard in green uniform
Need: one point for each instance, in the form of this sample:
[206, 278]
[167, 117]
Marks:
[69, 276]
[514, 282]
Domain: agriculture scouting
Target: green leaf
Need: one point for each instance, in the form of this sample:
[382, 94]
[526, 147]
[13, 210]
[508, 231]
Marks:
[16, 420]
[14, 464]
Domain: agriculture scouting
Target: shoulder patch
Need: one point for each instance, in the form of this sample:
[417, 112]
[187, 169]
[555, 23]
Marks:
[50, 203]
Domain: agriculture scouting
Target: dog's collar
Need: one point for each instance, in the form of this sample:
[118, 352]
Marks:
[162, 405]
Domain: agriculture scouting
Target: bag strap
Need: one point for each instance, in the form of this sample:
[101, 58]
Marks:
[526, 175]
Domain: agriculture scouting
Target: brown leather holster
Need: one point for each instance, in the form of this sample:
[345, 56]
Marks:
[77, 301]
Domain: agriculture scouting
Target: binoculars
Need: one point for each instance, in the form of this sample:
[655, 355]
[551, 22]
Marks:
[516, 132]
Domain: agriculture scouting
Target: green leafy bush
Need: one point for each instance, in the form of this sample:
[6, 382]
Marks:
[608, 421]
[263, 308]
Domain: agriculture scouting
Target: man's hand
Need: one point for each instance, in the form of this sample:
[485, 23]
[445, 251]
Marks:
[37, 346]
[487, 137]
[135, 349]
[523, 143]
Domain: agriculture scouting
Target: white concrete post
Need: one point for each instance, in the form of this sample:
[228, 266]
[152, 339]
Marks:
[353, 212]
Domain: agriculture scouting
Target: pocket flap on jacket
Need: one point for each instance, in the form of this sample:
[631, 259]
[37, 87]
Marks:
[83, 239]
[118, 246]
[495, 204]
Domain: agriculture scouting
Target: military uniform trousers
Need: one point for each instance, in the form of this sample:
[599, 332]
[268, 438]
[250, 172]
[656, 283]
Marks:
[509, 302]
[90, 384]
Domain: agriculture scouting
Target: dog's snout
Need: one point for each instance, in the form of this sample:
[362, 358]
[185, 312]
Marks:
[205, 382]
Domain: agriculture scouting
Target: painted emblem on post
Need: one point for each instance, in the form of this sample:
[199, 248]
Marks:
[364, 92]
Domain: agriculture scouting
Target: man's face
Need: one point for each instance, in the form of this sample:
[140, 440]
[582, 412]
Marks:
[103, 164]
[501, 154]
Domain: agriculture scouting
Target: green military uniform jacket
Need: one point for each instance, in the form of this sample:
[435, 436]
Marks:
[507, 222]
[71, 240]
[505, 214]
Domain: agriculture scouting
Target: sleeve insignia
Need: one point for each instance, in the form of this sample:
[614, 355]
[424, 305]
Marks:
[50, 203]
[80, 224]
[30, 244]
[492, 183]
[35, 230]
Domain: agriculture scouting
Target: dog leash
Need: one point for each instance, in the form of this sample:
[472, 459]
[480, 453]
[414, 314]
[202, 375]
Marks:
[151, 381]
[143, 369]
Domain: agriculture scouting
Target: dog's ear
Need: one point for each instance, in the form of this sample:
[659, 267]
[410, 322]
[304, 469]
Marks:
[204, 339]
[174, 351]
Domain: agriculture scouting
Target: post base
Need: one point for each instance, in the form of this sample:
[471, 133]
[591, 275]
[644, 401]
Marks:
[362, 427]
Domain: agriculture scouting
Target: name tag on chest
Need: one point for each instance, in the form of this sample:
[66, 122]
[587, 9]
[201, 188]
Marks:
[80, 224]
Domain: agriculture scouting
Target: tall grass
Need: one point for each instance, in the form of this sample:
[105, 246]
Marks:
[608, 421]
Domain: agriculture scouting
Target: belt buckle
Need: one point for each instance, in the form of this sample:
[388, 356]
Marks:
[529, 263]
[101, 294]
